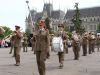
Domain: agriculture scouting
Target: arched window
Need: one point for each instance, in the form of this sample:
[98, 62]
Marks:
[97, 19]
[94, 19]
[91, 19]
[86, 20]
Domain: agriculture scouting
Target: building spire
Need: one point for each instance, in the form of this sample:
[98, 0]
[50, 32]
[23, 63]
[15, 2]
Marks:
[59, 7]
[26, 19]
[49, 1]
[44, 1]
[52, 2]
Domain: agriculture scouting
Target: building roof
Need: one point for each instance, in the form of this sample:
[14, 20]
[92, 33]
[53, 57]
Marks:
[33, 13]
[38, 15]
[86, 12]
[57, 14]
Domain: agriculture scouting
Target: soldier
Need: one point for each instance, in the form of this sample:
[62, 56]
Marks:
[51, 37]
[41, 46]
[76, 45]
[32, 40]
[66, 47]
[12, 46]
[98, 42]
[91, 39]
[25, 43]
[62, 34]
[84, 44]
[17, 36]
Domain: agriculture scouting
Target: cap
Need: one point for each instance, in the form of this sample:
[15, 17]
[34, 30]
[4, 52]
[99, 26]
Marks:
[17, 26]
[42, 23]
[61, 25]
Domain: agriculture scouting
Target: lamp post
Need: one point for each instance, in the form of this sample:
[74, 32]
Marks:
[30, 15]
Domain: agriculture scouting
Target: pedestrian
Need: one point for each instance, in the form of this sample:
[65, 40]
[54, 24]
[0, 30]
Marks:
[84, 43]
[12, 45]
[91, 39]
[17, 36]
[61, 33]
[41, 46]
[98, 42]
[25, 43]
[76, 45]
[32, 40]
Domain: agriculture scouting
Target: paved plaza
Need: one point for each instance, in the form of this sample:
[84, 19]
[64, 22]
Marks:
[86, 65]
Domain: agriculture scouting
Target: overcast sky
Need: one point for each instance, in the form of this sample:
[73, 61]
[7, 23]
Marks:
[14, 12]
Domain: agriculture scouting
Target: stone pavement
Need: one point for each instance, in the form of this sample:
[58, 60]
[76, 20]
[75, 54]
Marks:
[86, 65]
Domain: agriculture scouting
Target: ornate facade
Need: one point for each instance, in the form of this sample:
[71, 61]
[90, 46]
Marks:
[55, 16]
[90, 18]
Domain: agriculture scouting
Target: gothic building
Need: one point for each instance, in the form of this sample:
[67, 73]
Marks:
[90, 18]
[55, 16]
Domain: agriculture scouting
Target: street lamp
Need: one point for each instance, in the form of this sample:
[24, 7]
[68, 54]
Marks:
[30, 15]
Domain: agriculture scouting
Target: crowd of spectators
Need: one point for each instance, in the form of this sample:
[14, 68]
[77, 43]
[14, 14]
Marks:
[3, 43]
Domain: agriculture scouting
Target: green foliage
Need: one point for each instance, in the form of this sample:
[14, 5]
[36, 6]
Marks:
[37, 22]
[27, 31]
[1, 36]
[47, 22]
[98, 28]
[66, 28]
[69, 34]
[77, 22]
[7, 32]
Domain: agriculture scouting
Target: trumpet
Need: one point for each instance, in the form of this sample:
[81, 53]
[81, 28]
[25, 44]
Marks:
[12, 34]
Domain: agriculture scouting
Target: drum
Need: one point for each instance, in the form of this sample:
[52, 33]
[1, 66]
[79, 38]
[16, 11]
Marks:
[57, 44]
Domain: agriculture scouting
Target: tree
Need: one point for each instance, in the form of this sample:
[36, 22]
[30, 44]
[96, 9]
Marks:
[7, 32]
[28, 32]
[37, 22]
[98, 28]
[76, 20]
[66, 28]
[47, 23]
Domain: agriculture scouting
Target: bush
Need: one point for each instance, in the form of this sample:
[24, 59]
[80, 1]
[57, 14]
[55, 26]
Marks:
[70, 35]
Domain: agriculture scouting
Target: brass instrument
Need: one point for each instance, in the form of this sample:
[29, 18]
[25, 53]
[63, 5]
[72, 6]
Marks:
[12, 34]
[1, 30]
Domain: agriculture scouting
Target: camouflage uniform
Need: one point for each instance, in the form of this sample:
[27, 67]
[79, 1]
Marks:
[76, 47]
[91, 43]
[17, 45]
[41, 49]
[61, 54]
[98, 42]
[84, 44]
[12, 45]
[33, 43]
[25, 43]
